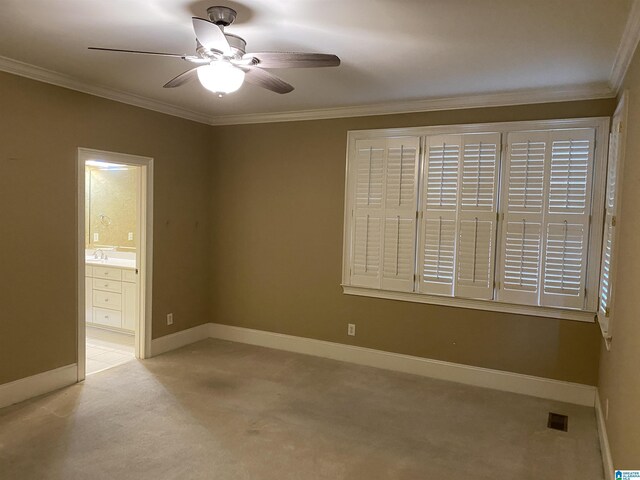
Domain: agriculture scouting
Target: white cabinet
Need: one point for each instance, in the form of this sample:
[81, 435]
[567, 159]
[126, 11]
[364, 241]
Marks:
[112, 297]
[88, 302]
[129, 305]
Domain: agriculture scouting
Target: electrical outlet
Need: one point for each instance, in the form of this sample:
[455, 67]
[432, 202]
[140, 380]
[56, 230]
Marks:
[351, 329]
[606, 409]
[130, 236]
[96, 237]
[169, 318]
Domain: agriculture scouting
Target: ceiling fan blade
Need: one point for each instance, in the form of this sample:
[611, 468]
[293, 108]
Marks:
[141, 52]
[211, 36]
[293, 59]
[267, 80]
[181, 79]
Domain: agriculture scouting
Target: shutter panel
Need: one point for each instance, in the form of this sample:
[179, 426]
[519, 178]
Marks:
[401, 184]
[384, 216]
[523, 200]
[521, 260]
[366, 252]
[438, 255]
[567, 218]
[367, 215]
[439, 218]
[546, 228]
[614, 168]
[477, 216]
[604, 303]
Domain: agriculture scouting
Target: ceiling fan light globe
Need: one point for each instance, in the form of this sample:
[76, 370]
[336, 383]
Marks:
[220, 77]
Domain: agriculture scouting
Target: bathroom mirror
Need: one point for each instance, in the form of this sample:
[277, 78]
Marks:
[111, 206]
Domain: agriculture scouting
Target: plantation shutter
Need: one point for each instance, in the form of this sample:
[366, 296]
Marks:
[368, 213]
[400, 213]
[439, 217]
[477, 216]
[384, 213]
[567, 218]
[614, 168]
[523, 200]
[547, 198]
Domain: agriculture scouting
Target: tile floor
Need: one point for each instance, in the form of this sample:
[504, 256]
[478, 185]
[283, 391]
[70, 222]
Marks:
[106, 349]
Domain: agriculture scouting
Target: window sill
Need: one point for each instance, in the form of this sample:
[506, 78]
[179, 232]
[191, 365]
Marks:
[492, 306]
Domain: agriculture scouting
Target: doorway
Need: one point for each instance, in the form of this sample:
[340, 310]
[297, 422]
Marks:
[114, 259]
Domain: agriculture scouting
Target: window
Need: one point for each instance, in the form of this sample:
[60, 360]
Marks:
[612, 212]
[499, 217]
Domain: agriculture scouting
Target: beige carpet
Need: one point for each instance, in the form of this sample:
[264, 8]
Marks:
[221, 410]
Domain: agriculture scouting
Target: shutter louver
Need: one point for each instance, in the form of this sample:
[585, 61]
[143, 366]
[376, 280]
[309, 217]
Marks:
[442, 173]
[522, 227]
[477, 216]
[521, 258]
[564, 259]
[605, 274]
[399, 242]
[368, 212]
[383, 222]
[401, 185]
[438, 256]
[567, 218]
[439, 219]
[367, 247]
[475, 259]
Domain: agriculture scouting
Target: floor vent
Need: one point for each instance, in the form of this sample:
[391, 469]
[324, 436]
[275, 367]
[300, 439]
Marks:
[558, 422]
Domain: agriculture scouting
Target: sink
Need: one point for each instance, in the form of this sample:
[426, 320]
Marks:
[92, 259]
[115, 262]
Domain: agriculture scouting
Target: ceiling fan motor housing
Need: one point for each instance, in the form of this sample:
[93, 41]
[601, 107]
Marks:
[237, 44]
[222, 16]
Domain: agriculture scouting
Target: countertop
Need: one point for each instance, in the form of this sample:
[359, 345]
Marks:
[123, 263]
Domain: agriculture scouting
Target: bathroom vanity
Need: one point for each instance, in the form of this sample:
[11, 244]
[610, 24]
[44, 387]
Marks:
[111, 289]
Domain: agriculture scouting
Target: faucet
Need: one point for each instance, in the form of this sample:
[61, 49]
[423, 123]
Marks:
[100, 254]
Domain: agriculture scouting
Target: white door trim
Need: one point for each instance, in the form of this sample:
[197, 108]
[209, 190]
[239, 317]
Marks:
[145, 250]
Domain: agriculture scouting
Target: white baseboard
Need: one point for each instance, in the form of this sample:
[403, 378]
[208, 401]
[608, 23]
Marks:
[179, 339]
[482, 377]
[45, 382]
[607, 462]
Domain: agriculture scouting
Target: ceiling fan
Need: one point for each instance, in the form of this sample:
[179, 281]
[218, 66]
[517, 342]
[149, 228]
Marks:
[223, 65]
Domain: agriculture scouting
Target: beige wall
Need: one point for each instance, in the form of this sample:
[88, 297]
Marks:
[248, 231]
[619, 377]
[277, 217]
[41, 127]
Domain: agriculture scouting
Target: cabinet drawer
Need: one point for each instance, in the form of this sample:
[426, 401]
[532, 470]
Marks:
[110, 318]
[107, 285]
[129, 276]
[106, 272]
[107, 300]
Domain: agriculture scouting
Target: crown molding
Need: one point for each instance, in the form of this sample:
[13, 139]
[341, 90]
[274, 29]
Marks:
[521, 97]
[627, 48]
[40, 74]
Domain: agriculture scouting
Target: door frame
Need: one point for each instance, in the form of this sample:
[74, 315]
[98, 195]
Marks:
[144, 249]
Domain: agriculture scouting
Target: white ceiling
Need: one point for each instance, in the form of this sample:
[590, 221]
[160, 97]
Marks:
[391, 51]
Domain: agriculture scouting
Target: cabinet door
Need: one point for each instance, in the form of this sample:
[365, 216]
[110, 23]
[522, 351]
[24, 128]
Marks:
[88, 299]
[129, 305]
